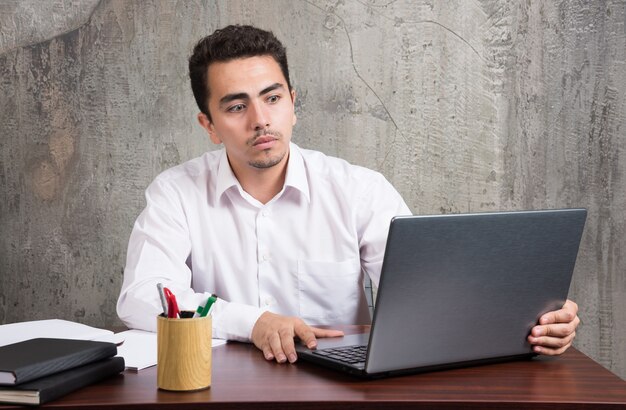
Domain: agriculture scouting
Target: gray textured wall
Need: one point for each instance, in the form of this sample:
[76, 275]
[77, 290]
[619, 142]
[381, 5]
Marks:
[464, 106]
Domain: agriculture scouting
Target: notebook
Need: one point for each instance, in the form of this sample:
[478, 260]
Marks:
[48, 388]
[31, 359]
[459, 290]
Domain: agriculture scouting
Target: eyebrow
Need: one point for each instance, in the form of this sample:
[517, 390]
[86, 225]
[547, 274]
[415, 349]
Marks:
[244, 96]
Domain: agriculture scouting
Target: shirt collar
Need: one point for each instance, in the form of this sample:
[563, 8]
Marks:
[296, 173]
[225, 176]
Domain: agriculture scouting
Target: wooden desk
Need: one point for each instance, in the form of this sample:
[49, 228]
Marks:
[242, 379]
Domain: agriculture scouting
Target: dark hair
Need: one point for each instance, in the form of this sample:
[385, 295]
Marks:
[230, 43]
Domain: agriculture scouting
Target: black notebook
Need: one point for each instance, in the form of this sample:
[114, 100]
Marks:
[34, 358]
[48, 388]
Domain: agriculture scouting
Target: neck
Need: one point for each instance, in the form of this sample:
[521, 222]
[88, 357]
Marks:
[263, 184]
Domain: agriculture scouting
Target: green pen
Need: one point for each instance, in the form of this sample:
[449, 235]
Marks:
[202, 311]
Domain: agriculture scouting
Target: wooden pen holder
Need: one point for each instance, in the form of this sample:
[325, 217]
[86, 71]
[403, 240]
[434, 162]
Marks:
[184, 353]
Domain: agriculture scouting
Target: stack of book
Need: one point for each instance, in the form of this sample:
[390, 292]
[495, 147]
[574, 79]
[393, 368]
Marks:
[38, 370]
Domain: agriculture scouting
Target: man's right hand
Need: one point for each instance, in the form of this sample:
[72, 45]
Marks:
[274, 335]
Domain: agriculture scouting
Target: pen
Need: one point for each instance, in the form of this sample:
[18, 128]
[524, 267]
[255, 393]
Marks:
[172, 306]
[162, 297]
[202, 311]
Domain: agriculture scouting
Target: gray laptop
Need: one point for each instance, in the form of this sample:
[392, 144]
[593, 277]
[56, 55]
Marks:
[458, 290]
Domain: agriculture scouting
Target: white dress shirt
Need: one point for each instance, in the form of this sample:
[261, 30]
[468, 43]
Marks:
[304, 253]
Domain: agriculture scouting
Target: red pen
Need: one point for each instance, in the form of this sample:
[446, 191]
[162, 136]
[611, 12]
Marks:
[172, 306]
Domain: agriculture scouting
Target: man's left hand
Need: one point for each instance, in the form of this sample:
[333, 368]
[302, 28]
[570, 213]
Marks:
[556, 330]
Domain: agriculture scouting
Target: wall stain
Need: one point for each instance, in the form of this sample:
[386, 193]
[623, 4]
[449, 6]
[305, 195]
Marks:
[45, 180]
[49, 173]
[61, 147]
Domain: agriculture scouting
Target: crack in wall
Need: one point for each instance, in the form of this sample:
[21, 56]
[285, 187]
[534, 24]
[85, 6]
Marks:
[377, 5]
[356, 71]
[402, 21]
[364, 81]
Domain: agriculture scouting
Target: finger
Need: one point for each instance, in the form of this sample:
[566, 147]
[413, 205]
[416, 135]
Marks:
[552, 342]
[277, 348]
[571, 305]
[566, 314]
[306, 335]
[557, 316]
[267, 352]
[265, 347]
[559, 329]
[551, 351]
[286, 339]
[326, 332]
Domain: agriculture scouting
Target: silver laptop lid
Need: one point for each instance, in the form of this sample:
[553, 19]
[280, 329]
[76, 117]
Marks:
[464, 287]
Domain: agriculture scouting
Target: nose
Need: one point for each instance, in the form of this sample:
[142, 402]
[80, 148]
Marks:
[259, 117]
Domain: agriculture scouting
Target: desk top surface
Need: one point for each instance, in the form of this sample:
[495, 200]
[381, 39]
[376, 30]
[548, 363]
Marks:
[242, 378]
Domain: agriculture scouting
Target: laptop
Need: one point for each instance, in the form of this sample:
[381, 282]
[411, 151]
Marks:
[459, 290]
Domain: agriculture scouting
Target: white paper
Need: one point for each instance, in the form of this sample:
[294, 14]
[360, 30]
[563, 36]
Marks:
[53, 328]
[139, 349]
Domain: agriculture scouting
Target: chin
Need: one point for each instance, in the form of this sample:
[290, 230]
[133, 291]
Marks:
[267, 162]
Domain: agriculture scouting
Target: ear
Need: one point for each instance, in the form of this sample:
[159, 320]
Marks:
[293, 102]
[208, 126]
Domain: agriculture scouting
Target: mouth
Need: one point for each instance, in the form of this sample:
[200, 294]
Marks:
[264, 142]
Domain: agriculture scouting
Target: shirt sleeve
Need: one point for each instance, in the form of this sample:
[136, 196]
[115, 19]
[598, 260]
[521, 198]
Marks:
[158, 250]
[377, 204]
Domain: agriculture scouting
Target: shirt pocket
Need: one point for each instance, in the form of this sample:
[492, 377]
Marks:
[329, 292]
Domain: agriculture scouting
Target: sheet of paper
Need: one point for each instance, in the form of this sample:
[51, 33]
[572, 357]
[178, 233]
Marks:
[139, 349]
[55, 328]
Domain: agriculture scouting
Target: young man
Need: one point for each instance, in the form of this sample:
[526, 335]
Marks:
[283, 235]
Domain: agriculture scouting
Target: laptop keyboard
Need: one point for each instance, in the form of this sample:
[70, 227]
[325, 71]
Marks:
[348, 354]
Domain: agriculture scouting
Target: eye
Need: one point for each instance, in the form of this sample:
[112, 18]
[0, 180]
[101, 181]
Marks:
[236, 108]
[273, 99]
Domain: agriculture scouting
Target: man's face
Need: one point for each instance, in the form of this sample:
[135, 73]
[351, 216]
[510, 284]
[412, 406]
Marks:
[252, 112]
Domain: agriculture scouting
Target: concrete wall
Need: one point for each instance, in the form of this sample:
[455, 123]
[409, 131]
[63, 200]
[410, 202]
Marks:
[464, 106]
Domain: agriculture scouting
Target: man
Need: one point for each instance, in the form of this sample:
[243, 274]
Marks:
[282, 235]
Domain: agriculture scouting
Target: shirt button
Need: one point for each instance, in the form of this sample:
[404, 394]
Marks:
[265, 213]
[268, 301]
[265, 257]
